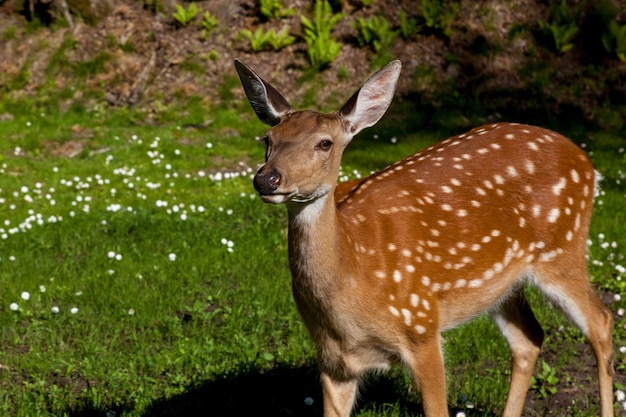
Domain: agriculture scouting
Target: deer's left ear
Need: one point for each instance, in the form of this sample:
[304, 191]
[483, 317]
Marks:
[268, 104]
[371, 101]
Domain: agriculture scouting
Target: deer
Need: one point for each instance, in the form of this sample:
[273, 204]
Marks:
[381, 266]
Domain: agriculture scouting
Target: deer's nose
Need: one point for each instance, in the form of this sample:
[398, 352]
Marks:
[267, 181]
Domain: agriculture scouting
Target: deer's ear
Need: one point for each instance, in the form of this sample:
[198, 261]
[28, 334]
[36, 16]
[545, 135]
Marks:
[268, 104]
[371, 101]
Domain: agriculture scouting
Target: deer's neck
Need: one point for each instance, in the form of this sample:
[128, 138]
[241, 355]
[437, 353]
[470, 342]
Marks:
[316, 248]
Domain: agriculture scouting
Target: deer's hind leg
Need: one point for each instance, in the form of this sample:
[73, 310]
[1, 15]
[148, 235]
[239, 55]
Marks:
[524, 335]
[569, 288]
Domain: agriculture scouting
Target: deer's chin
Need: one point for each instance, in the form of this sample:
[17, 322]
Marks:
[275, 198]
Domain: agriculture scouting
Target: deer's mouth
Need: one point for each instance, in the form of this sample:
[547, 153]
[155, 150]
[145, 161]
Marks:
[276, 197]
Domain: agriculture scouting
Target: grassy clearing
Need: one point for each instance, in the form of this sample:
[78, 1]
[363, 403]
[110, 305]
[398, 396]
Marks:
[142, 276]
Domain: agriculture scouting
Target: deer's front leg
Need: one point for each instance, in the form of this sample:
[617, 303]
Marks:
[428, 371]
[338, 396]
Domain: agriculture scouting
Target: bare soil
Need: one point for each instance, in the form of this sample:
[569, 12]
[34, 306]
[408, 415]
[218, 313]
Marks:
[493, 58]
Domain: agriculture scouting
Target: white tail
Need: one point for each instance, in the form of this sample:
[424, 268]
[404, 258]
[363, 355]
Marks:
[382, 265]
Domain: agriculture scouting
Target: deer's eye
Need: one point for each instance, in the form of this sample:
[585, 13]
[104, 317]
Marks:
[324, 145]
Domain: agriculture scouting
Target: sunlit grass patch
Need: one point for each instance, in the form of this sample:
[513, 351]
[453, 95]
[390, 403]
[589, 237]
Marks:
[138, 265]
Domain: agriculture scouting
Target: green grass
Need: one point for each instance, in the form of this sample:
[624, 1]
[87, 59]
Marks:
[158, 282]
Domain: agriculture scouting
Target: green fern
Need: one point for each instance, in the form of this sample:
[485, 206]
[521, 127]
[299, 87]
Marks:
[260, 39]
[408, 26]
[322, 48]
[614, 40]
[375, 31]
[185, 16]
[439, 15]
[563, 25]
[209, 22]
[274, 9]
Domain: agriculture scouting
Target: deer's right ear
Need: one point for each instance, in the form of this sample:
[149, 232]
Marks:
[268, 104]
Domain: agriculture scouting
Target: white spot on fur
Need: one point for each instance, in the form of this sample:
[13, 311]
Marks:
[407, 316]
[557, 188]
[475, 283]
[554, 215]
[394, 311]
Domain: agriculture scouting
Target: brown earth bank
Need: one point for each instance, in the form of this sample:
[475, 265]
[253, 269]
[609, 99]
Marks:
[489, 58]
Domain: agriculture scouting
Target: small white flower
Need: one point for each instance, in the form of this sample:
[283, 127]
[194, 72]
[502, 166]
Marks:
[460, 414]
[111, 254]
[172, 257]
[55, 310]
[14, 306]
[118, 257]
[131, 311]
[74, 310]
[617, 297]
[42, 288]
[25, 295]
[622, 349]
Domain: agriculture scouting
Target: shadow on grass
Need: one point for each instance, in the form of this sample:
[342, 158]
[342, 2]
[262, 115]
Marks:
[280, 392]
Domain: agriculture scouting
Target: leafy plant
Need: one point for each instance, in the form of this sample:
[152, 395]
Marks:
[614, 40]
[563, 25]
[439, 15]
[153, 5]
[209, 22]
[185, 16]
[545, 382]
[408, 26]
[274, 9]
[260, 39]
[322, 48]
[374, 31]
